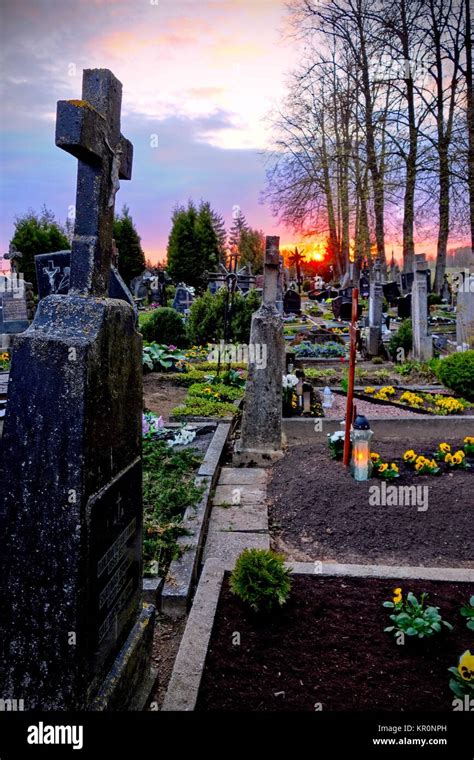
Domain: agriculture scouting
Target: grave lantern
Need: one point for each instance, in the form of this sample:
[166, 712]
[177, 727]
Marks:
[328, 398]
[360, 436]
[307, 397]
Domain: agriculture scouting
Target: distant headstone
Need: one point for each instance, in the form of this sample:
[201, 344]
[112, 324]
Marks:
[404, 306]
[13, 305]
[74, 634]
[183, 299]
[376, 301]
[446, 291]
[292, 302]
[364, 286]
[260, 441]
[53, 277]
[422, 340]
[391, 292]
[465, 314]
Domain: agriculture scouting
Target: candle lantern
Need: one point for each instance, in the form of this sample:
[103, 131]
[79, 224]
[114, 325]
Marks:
[307, 397]
[361, 434]
[328, 398]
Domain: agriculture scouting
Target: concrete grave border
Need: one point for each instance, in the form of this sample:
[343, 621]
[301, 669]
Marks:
[396, 428]
[183, 688]
[183, 572]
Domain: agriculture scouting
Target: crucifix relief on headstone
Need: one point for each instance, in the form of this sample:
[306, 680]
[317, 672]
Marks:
[73, 632]
[260, 441]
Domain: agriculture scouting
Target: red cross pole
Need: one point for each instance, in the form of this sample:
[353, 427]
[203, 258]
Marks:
[350, 385]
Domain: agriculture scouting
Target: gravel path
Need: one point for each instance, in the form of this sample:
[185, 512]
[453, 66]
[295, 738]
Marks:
[372, 411]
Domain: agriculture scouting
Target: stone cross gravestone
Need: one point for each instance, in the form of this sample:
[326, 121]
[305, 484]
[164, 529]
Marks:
[422, 340]
[376, 300]
[465, 314]
[183, 299]
[73, 632]
[260, 441]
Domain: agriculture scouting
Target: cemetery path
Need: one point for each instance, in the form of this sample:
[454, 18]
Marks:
[319, 512]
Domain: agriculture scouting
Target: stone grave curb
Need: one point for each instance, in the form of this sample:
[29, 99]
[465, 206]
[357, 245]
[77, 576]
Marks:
[185, 681]
[396, 428]
[182, 574]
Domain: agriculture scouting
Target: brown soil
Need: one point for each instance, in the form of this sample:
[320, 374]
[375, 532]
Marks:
[319, 512]
[161, 397]
[167, 638]
[326, 649]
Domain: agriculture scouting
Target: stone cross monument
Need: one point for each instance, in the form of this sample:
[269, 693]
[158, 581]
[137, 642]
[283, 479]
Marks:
[422, 340]
[260, 441]
[73, 632]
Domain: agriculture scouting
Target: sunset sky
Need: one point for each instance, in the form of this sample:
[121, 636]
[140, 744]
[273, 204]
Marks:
[199, 77]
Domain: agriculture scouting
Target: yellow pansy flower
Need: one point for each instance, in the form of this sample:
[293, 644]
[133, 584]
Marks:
[469, 440]
[409, 456]
[444, 447]
[374, 457]
[457, 458]
[466, 666]
[397, 598]
[448, 459]
[395, 467]
[383, 467]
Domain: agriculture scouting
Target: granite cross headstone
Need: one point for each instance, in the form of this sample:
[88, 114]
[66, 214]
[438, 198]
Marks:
[465, 314]
[72, 630]
[376, 300]
[422, 340]
[260, 440]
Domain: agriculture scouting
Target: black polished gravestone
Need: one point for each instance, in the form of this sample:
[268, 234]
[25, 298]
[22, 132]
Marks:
[404, 307]
[74, 634]
[53, 271]
[292, 302]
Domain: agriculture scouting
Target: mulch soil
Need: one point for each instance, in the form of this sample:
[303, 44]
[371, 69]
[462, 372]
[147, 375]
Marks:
[326, 649]
[319, 512]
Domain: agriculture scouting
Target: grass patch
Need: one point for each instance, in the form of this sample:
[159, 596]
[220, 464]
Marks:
[168, 488]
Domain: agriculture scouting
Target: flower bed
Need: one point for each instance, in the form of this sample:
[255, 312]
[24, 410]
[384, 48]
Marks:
[417, 519]
[419, 401]
[329, 350]
[326, 649]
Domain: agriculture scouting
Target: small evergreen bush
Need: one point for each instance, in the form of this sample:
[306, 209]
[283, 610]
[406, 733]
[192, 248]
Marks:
[165, 326]
[403, 338]
[260, 579]
[456, 372]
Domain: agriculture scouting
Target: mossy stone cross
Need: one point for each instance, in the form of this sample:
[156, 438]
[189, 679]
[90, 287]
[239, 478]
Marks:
[90, 129]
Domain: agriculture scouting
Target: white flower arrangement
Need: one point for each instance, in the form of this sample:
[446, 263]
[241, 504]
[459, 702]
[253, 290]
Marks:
[289, 381]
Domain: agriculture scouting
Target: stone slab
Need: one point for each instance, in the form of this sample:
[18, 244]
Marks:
[244, 494]
[227, 546]
[130, 682]
[248, 518]
[213, 454]
[299, 430]
[240, 476]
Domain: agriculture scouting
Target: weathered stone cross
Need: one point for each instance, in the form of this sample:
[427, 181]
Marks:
[90, 130]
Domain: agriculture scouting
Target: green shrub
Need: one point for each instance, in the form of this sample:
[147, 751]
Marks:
[260, 579]
[206, 318]
[456, 372]
[434, 299]
[377, 360]
[165, 326]
[403, 338]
